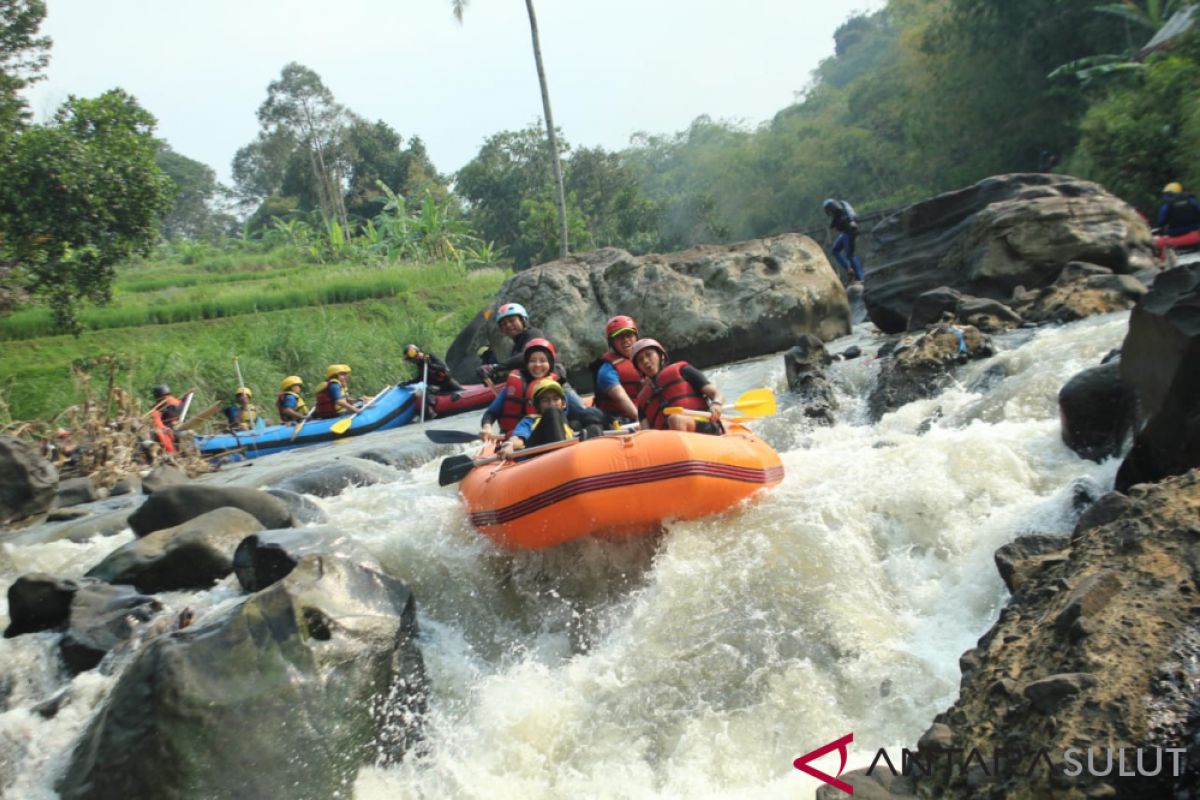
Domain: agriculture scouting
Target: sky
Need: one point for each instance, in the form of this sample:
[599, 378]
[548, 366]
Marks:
[614, 67]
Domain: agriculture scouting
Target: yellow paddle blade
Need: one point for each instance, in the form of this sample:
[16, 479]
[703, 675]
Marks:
[756, 403]
[342, 425]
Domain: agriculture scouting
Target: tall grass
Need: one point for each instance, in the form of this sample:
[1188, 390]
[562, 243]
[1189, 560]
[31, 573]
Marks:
[35, 374]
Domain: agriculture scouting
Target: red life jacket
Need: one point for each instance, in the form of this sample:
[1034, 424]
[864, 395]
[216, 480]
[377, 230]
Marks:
[627, 374]
[326, 406]
[668, 388]
[516, 405]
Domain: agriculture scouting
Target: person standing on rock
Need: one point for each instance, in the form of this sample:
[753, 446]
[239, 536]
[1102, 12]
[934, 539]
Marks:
[513, 320]
[1179, 212]
[617, 379]
[843, 220]
[679, 384]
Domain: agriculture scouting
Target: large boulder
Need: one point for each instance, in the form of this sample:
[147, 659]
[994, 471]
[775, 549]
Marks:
[172, 505]
[330, 480]
[1002, 233]
[291, 691]
[1098, 411]
[1081, 290]
[707, 305]
[192, 555]
[28, 482]
[923, 366]
[265, 558]
[102, 617]
[39, 602]
[1161, 359]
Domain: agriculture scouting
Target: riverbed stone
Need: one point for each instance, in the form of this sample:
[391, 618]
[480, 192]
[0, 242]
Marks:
[297, 687]
[102, 617]
[39, 602]
[75, 491]
[28, 482]
[173, 505]
[1098, 411]
[162, 476]
[1048, 694]
[330, 480]
[270, 556]
[304, 511]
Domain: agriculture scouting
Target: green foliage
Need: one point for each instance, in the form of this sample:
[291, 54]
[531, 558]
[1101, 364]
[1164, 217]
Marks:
[79, 195]
[193, 214]
[540, 229]
[23, 55]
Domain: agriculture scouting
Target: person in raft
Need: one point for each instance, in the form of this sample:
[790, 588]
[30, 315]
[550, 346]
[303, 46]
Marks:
[331, 396]
[241, 415]
[169, 407]
[678, 384]
[1179, 212]
[547, 425]
[617, 379]
[513, 320]
[513, 403]
[290, 402]
[440, 380]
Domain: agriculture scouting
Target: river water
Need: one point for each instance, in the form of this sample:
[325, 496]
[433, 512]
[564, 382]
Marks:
[700, 663]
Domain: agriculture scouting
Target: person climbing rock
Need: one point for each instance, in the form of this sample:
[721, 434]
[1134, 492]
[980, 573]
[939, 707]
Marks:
[843, 220]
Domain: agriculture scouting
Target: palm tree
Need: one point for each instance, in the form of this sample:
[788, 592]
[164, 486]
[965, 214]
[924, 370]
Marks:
[560, 194]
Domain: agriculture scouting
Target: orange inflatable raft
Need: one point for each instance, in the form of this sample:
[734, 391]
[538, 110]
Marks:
[616, 486]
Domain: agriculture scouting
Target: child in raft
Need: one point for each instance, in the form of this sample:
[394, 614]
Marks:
[547, 425]
[678, 384]
[514, 403]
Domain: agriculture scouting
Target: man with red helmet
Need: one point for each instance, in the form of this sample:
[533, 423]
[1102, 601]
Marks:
[678, 384]
[617, 380]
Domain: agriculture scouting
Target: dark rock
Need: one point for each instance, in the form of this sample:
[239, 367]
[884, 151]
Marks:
[929, 307]
[1098, 412]
[38, 602]
[268, 557]
[75, 491]
[851, 352]
[49, 708]
[1120, 284]
[28, 482]
[923, 366]
[805, 366]
[1090, 597]
[67, 514]
[330, 480]
[192, 555]
[1108, 508]
[162, 476]
[297, 687]
[990, 316]
[1001, 233]
[1078, 271]
[1161, 359]
[102, 617]
[1027, 554]
[304, 511]
[938, 738]
[807, 354]
[405, 455]
[1048, 694]
[881, 784]
[108, 523]
[130, 484]
[707, 305]
[173, 505]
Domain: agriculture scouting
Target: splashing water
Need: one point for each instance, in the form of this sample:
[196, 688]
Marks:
[701, 662]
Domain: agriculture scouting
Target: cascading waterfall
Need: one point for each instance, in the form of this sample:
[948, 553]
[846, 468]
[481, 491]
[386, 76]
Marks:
[699, 663]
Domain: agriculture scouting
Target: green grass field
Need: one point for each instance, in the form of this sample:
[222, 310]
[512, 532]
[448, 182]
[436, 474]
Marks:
[183, 325]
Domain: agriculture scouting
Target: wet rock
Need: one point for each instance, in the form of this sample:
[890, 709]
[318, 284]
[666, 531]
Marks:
[805, 365]
[173, 505]
[67, 514]
[38, 602]
[989, 316]
[930, 306]
[405, 455]
[1081, 290]
[852, 352]
[108, 523]
[304, 511]
[1001, 233]
[128, 485]
[939, 738]
[1088, 599]
[193, 555]
[707, 305]
[162, 476]
[75, 491]
[101, 618]
[301, 685]
[921, 367]
[1048, 694]
[1098, 412]
[1024, 556]
[330, 480]
[1161, 359]
[1108, 508]
[265, 558]
[28, 482]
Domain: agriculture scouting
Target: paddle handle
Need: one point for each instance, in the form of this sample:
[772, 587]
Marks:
[424, 390]
[687, 412]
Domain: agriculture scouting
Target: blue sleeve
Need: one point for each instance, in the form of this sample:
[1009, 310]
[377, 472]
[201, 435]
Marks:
[232, 413]
[1163, 210]
[493, 410]
[606, 378]
[335, 392]
[524, 428]
[574, 404]
[290, 400]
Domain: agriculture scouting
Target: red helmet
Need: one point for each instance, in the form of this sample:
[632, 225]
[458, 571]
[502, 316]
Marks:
[543, 385]
[644, 344]
[540, 344]
[619, 324]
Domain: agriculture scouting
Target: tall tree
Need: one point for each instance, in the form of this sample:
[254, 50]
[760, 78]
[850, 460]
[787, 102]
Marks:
[459, 6]
[193, 214]
[23, 55]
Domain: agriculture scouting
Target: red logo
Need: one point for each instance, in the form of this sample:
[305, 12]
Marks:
[801, 763]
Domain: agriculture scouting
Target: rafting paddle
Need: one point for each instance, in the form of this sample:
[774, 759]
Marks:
[455, 468]
[451, 437]
[753, 404]
[343, 425]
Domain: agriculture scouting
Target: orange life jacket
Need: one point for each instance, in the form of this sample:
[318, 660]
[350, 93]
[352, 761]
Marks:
[516, 405]
[162, 433]
[668, 388]
[627, 374]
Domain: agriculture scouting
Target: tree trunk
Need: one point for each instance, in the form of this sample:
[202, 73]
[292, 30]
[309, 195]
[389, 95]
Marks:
[561, 195]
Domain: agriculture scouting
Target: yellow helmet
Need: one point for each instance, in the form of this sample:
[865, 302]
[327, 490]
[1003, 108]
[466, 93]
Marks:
[411, 350]
[335, 369]
[243, 390]
[1174, 187]
[289, 382]
[543, 385]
